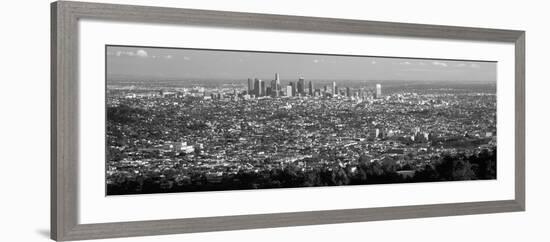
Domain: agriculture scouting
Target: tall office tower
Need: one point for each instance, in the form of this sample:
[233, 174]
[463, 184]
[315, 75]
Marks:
[276, 86]
[325, 89]
[289, 91]
[311, 88]
[301, 86]
[268, 91]
[293, 85]
[256, 87]
[378, 91]
[348, 92]
[250, 86]
[333, 88]
[273, 88]
[262, 88]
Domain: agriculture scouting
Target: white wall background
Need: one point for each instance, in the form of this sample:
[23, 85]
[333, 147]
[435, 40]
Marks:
[24, 138]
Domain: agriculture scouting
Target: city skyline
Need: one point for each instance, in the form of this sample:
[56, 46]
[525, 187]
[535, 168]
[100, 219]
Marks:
[263, 126]
[139, 63]
[256, 87]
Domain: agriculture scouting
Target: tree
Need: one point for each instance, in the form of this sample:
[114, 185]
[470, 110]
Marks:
[454, 168]
[484, 164]
[426, 174]
[374, 169]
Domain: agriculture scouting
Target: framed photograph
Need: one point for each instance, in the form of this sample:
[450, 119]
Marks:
[170, 120]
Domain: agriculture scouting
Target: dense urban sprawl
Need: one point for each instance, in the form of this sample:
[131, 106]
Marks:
[170, 138]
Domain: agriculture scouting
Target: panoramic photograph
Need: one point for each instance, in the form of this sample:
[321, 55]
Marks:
[197, 120]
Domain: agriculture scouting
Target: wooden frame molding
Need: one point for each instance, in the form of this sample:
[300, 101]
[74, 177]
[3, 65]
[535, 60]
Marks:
[64, 118]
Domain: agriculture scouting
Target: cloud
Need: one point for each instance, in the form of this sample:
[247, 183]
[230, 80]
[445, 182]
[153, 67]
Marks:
[118, 53]
[470, 65]
[124, 53]
[405, 63]
[316, 61]
[439, 63]
[141, 53]
[373, 62]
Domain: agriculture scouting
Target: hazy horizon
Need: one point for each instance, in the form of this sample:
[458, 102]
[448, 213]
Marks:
[146, 63]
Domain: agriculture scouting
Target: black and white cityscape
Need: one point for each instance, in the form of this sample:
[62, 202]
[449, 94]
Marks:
[187, 120]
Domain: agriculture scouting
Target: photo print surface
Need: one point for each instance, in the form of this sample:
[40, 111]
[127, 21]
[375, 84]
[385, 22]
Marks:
[189, 120]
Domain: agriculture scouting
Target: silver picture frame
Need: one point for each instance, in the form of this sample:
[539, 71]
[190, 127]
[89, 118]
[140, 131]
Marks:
[65, 112]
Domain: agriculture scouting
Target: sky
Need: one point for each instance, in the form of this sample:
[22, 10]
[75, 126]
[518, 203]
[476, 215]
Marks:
[139, 63]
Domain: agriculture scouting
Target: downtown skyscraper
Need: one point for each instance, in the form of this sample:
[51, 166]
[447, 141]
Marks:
[378, 91]
[250, 86]
[301, 86]
[275, 86]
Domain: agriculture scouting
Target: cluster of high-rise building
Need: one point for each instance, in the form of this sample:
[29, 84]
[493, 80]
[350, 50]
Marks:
[259, 88]
[199, 136]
